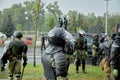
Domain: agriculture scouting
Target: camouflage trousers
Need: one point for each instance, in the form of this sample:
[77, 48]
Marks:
[94, 57]
[80, 58]
[14, 68]
[81, 54]
[69, 58]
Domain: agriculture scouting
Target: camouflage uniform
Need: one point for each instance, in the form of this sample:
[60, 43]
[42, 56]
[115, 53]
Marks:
[15, 50]
[95, 46]
[43, 47]
[60, 22]
[81, 53]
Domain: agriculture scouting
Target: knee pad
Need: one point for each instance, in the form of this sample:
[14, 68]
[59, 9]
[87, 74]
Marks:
[17, 75]
[10, 76]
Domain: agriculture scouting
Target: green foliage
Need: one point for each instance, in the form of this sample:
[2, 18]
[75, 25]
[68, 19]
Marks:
[19, 27]
[50, 22]
[54, 10]
[8, 26]
[35, 73]
[93, 73]
[72, 15]
[25, 15]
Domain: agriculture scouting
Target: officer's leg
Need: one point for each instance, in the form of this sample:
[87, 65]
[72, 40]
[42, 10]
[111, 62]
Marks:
[11, 70]
[118, 77]
[68, 66]
[10, 76]
[95, 61]
[108, 76]
[41, 47]
[113, 77]
[83, 66]
[77, 65]
[92, 60]
[18, 70]
[68, 63]
[44, 46]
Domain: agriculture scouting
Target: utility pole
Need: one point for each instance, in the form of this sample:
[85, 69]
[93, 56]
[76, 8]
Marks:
[106, 20]
[36, 26]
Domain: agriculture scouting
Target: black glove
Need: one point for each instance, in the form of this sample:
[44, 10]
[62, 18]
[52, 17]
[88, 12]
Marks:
[2, 69]
[24, 63]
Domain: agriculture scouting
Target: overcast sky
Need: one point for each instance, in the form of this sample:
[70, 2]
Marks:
[82, 6]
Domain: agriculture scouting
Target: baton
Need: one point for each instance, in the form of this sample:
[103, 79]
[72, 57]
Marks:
[22, 73]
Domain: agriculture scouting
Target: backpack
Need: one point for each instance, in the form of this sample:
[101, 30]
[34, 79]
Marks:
[16, 47]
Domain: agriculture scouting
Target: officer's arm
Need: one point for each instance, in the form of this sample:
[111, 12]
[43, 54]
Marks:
[114, 55]
[85, 44]
[60, 64]
[76, 43]
[25, 53]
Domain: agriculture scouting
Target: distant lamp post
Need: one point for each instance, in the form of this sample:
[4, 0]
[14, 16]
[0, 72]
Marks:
[106, 20]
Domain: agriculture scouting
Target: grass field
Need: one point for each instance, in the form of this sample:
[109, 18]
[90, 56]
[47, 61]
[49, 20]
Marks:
[35, 73]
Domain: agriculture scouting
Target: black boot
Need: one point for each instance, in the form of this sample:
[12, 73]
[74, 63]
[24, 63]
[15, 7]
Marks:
[83, 71]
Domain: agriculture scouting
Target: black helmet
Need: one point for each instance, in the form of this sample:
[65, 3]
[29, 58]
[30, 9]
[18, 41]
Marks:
[117, 35]
[56, 37]
[18, 34]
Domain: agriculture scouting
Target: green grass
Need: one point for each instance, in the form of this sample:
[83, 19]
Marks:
[35, 73]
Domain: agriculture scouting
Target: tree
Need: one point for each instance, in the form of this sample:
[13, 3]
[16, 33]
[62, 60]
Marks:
[19, 27]
[72, 16]
[48, 18]
[8, 27]
[79, 21]
[54, 10]
[91, 20]
[42, 17]
[50, 21]
[85, 24]
[30, 12]
[98, 25]
[19, 16]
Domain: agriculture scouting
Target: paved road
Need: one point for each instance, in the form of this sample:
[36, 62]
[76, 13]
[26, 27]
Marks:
[30, 54]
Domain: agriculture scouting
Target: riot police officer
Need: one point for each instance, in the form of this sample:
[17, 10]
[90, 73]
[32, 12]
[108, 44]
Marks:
[81, 51]
[60, 22]
[115, 56]
[14, 52]
[54, 60]
[65, 23]
[105, 53]
[95, 47]
[43, 42]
